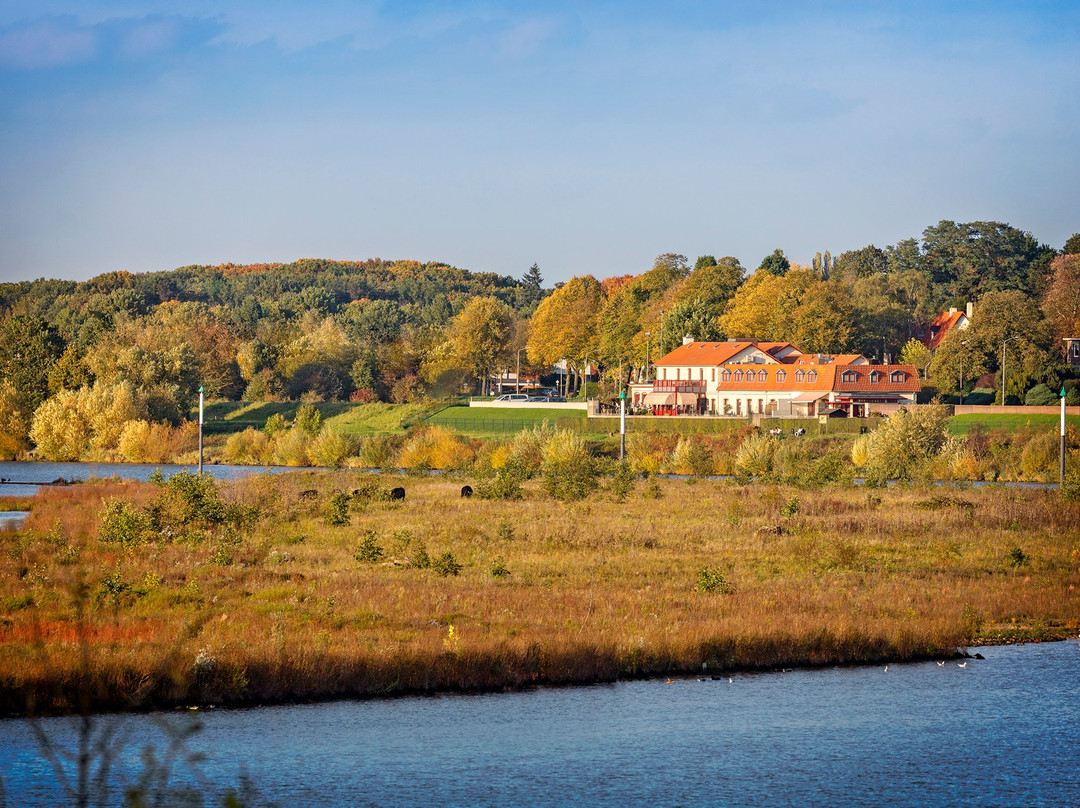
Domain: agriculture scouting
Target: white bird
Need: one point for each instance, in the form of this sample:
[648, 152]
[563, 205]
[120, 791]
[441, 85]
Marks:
[940, 664]
[886, 669]
[730, 680]
[961, 664]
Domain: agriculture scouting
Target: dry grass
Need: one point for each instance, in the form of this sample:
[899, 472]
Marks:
[595, 591]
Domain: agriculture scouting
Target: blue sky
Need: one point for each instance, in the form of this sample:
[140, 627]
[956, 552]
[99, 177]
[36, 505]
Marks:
[143, 135]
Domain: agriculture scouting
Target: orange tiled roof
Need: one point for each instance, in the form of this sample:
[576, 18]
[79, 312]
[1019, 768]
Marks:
[940, 326]
[708, 353]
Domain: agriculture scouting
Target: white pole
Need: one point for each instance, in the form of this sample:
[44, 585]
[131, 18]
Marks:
[1061, 475]
[622, 427]
[200, 426]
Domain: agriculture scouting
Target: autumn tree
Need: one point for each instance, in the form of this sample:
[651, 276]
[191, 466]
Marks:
[565, 323]
[1062, 301]
[916, 353]
[481, 335]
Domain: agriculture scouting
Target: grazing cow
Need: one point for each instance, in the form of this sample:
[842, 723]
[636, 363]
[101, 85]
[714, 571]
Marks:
[466, 491]
[397, 493]
[310, 493]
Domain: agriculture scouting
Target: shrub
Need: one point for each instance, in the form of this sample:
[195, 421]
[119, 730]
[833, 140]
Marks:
[291, 448]
[692, 456]
[498, 569]
[376, 452]
[434, 447]
[337, 510]
[791, 507]
[330, 448]
[755, 454]
[420, 558]
[122, 523]
[1040, 457]
[274, 424]
[15, 420]
[622, 482]
[902, 445]
[1017, 558]
[569, 472]
[190, 499]
[504, 484]
[446, 565]
[1040, 396]
[308, 419]
[505, 531]
[249, 446]
[713, 581]
[368, 551]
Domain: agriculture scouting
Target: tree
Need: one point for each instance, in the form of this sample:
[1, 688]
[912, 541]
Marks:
[866, 262]
[978, 257]
[1072, 245]
[704, 261]
[481, 335]
[29, 347]
[565, 323]
[1062, 301]
[917, 354]
[824, 320]
[15, 420]
[775, 263]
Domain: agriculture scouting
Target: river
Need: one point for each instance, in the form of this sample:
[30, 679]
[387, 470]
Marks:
[1000, 731]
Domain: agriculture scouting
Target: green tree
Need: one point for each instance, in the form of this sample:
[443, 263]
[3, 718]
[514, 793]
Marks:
[29, 348]
[1072, 245]
[775, 263]
[917, 354]
[866, 262]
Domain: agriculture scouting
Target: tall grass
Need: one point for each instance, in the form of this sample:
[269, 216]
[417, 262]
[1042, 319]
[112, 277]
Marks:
[593, 590]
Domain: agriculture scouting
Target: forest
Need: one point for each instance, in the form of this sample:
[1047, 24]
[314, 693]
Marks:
[85, 365]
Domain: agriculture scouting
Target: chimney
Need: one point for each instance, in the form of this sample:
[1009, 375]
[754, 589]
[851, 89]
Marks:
[952, 309]
[970, 308]
[687, 340]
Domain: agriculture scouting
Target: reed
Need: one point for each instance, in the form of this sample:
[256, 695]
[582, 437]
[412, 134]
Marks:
[589, 591]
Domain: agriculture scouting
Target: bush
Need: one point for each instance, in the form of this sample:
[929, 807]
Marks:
[1040, 457]
[713, 581]
[249, 446]
[622, 482]
[145, 442]
[337, 510]
[308, 419]
[900, 447]
[692, 456]
[755, 454]
[569, 473]
[368, 551]
[122, 523]
[1040, 396]
[446, 565]
[330, 448]
[376, 452]
[434, 448]
[291, 448]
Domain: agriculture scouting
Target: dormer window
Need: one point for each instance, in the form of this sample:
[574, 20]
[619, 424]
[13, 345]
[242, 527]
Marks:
[726, 376]
[762, 376]
[781, 375]
[848, 376]
[800, 375]
[738, 375]
[897, 376]
[875, 376]
[811, 376]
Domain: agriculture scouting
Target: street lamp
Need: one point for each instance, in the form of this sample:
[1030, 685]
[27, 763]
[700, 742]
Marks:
[585, 380]
[517, 375]
[1003, 344]
[648, 338]
[661, 331]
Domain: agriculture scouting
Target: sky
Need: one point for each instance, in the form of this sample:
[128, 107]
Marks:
[144, 135]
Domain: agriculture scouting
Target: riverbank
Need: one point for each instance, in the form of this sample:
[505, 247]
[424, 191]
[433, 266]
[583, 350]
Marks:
[276, 603]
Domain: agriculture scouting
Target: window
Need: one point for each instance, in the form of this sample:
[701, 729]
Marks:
[762, 376]
[665, 373]
[875, 376]
[700, 373]
[799, 375]
[897, 376]
[713, 374]
[781, 375]
[848, 376]
[738, 375]
[811, 376]
[726, 375]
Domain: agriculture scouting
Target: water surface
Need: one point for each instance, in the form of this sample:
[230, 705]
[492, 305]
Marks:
[1004, 731]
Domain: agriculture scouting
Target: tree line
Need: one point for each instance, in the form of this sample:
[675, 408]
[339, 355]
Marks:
[404, 331]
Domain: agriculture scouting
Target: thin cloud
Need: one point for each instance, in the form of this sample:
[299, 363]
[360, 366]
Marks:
[48, 43]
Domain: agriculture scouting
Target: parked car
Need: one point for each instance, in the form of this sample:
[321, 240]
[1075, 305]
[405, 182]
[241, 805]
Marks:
[513, 397]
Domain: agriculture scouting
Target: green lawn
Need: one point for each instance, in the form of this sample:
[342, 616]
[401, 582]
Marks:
[482, 421]
[223, 418]
[962, 424]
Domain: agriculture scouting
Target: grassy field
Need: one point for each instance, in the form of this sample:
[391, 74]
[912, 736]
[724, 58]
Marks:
[501, 421]
[962, 424]
[224, 418]
[680, 575]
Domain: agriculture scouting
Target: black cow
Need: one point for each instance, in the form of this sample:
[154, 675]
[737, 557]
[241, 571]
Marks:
[311, 493]
[466, 491]
[397, 493]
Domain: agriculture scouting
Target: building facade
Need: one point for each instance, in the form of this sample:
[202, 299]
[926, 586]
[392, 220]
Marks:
[775, 379]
